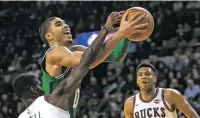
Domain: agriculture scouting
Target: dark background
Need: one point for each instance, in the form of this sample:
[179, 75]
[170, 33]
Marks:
[173, 48]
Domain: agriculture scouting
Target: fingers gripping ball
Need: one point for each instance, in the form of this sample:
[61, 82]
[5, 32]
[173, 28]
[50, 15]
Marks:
[147, 19]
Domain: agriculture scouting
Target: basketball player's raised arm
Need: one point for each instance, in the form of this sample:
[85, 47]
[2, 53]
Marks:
[128, 108]
[181, 103]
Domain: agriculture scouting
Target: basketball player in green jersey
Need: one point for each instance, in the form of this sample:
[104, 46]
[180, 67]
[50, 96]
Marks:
[28, 88]
[62, 57]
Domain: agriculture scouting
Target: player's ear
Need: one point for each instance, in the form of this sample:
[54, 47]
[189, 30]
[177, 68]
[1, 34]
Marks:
[33, 89]
[49, 36]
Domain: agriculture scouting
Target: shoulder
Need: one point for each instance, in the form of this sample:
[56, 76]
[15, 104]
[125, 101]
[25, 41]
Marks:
[129, 103]
[171, 92]
[57, 50]
[130, 100]
[57, 53]
[171, 95]
[40, 99]
[38, 103]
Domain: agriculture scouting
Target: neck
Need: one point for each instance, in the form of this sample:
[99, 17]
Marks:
[53, 43]
[148, 94]
[27, 102]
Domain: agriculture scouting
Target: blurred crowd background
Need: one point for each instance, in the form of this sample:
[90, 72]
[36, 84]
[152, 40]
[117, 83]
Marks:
[173, 48]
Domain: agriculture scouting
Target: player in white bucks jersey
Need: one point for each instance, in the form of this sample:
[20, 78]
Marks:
[154, 102]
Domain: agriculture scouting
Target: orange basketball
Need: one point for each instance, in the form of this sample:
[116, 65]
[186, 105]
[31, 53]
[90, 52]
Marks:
[148, 19]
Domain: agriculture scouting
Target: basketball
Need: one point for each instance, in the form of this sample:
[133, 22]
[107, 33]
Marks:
[148, 19]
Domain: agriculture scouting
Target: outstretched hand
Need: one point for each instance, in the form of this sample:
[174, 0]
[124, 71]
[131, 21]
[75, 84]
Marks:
[129, 27]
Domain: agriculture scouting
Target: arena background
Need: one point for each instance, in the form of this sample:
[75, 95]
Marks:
[173, 48]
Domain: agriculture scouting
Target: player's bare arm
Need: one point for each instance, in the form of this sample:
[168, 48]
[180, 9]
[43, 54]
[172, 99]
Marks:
[128, 107]
[62, 56]
[180, 102]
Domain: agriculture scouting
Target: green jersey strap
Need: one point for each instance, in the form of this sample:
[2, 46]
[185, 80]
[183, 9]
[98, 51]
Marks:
[119, 53]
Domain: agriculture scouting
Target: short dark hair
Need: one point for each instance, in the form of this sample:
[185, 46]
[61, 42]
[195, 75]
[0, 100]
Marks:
[23, 82]
[44, 28]
[146, 64]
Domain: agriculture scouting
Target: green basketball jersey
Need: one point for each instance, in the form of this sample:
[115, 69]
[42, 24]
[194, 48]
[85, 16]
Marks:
[49, 83]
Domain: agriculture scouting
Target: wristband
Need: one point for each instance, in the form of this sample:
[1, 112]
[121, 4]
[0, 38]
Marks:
[104, 27]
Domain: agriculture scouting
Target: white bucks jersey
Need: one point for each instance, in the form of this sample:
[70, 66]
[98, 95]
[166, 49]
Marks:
[155, 108]
[42, 109]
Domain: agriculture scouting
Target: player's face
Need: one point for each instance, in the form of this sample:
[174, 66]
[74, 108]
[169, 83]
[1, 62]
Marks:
[60, 32]
[146, 78]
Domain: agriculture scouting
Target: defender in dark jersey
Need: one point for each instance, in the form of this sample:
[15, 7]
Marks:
[59, 60]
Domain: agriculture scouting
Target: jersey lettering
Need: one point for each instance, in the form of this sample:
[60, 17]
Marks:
[148, 112]
[154, 108]
[143, 113]
[163, 112]
[151, 112]
[156, 114]
[36, 115]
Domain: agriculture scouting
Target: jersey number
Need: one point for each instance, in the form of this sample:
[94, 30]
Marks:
[76, 98]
